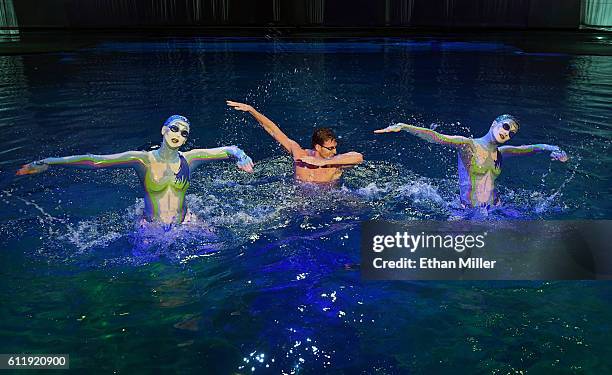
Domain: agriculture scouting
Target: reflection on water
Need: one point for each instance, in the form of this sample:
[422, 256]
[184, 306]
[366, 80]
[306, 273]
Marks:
[267, 277]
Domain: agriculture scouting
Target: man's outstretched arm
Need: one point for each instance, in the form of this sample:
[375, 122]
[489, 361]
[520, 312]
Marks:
[290, 145]
[343, 160]
[428, 135]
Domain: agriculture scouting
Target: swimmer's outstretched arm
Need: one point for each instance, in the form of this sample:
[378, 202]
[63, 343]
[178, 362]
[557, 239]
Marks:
[428, 135]
[555, 152]
[196, 157]
[128, 159]
[348, 159]
[289, 144]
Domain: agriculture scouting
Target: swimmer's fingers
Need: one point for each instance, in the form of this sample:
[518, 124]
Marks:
[32, 168]
[246, 168]
[246, 164]
[25, 169]
[559, 155]
[239, 106]
[391, 129]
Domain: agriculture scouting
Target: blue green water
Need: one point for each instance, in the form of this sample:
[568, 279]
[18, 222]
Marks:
[268, 280]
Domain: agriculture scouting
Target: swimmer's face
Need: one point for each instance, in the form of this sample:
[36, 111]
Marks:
[175, 134]
[327, 149]
[504, 130]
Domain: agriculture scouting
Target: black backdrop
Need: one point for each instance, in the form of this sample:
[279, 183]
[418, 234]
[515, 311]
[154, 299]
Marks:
[331, 13]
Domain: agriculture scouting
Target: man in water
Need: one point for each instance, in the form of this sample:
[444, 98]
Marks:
[480, 159]
[321, 163]
[164, 173]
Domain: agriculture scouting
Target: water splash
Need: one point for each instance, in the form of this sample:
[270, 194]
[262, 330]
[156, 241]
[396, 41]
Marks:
[544, 205]
[233, 210]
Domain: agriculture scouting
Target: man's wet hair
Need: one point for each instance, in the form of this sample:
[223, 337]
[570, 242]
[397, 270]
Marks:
[321, 135]
[507, 117]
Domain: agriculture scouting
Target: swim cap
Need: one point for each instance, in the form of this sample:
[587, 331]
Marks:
[507, 117]
[174, 118]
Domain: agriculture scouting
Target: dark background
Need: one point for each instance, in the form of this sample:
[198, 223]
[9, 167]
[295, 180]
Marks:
[514, 14]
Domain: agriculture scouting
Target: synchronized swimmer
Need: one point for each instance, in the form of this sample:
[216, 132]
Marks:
[480, 159]
[165, 172]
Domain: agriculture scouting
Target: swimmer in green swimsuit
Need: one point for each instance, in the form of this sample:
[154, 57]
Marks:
[164, 173]
[480, 159]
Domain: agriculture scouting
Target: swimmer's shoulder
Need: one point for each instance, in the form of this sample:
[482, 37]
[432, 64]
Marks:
[145, 156]
[469, 146]
[148, 156]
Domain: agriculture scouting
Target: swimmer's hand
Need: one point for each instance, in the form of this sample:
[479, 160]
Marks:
[245, 164]
[34, 167]
[559, 155]
[239, 106]
[317, 162]
[392, 129]
[243, 161]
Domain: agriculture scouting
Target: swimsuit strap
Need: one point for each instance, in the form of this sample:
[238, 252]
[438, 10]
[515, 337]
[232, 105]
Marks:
[183, 174]
[498, 162]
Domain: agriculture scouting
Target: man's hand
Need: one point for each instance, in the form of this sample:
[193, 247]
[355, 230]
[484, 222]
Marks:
[34, 167]
[391, 129]
[239, 106]
[559, 155]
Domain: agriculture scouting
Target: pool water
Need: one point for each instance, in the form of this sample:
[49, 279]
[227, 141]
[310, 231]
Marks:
[267, 280]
